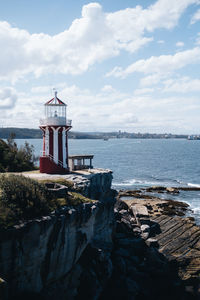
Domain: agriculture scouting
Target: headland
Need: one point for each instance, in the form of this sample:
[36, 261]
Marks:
[132, 244]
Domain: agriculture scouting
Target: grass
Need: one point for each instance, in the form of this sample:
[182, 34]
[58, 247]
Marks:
[74, 199]
[61, 181]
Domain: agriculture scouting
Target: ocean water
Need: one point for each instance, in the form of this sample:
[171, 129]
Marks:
[144, 162]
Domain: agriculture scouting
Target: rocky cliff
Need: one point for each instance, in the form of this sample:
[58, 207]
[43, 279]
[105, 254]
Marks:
[142, 248]
[41, 255]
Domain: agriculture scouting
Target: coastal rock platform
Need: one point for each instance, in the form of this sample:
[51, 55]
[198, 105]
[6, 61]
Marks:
[162, 224]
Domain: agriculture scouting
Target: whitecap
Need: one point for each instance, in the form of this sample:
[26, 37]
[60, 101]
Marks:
[194, 185]
[196, 210]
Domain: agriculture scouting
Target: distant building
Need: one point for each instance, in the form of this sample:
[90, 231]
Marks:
[193, 137]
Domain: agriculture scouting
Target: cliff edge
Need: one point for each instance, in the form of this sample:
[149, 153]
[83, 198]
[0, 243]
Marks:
[40, 256]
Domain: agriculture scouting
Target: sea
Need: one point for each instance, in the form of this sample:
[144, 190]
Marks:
[138, 163]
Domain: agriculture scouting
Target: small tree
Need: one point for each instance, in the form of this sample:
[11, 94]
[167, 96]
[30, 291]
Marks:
[13, 159]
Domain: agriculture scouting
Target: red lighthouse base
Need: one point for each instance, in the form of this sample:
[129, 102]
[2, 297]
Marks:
[50, 167]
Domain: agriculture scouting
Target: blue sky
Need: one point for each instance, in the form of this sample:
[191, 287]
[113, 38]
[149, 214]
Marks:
[119, 65]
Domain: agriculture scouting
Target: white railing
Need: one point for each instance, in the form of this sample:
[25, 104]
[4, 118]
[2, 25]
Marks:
[55, 121]
[59, 163]
[69, 123]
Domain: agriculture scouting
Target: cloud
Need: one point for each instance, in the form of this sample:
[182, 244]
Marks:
[179, 44]
[110, 109]
[93, 38]
[195, 17]
[161, 42]
[163, 64]
[182, 85]
[8, 98]
[143, 91]
[107, 88]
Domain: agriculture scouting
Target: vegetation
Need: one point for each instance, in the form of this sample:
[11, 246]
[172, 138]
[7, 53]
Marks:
[74, 199]
[22, 199]
[13, 159]
[62, 181]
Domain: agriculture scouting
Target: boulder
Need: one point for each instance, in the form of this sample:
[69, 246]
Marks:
[172, 190]
[152, 242]
[145, 228]
[139, 211]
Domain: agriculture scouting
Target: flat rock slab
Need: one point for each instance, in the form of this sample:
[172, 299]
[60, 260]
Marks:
[178, 238]
[140, 211]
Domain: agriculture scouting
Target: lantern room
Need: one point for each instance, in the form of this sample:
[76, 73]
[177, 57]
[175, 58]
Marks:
[55, 113]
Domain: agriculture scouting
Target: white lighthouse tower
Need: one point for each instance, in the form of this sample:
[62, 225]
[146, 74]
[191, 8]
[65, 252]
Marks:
[55, 127]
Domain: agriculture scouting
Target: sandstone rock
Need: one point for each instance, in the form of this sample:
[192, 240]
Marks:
[132, 287]
[137, 231]
[145, 228]
[123, 211]
[122, 252]
[140, 211]
[119, 263]
[145, 235]
[152, 242]
[172, 190]
[156, 188]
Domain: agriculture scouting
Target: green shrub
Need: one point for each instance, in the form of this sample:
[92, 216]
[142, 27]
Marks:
[13, 159]
[22, 198]
[74, 199]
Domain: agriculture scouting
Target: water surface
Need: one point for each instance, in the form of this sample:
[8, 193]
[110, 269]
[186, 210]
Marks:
[144, 162]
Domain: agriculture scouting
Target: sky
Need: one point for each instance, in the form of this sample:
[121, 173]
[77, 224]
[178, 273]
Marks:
[129, 65]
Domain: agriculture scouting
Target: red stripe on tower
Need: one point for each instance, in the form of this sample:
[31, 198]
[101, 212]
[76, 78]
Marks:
[50, 141]
[60, 145]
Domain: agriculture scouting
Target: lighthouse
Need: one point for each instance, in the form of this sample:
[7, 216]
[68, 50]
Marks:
[55, 127]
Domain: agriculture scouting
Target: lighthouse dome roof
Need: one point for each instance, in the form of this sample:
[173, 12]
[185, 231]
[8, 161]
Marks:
[55, 101]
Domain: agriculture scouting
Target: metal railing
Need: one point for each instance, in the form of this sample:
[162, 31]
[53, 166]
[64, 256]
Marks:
[56, 121]
[59, 163]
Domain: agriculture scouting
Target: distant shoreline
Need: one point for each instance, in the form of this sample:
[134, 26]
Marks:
[27, 133]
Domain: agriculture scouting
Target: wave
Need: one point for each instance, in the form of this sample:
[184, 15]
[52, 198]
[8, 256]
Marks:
[157, 182]
[132, 182]
[196, 210]
[193, 184]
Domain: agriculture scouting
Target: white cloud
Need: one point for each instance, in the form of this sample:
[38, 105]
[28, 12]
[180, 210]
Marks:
[109, 110]
[179, 44]
[143, 91]
[164, 64]
[94, 37]
[8, 98]
[195, 17]
[161, 42]
[182, 85]
[150, 80]
[107, 88]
